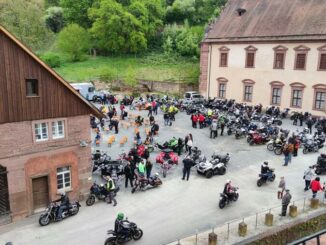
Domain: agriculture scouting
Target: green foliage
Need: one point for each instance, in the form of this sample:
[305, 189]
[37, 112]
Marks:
[51, 3]
[130, 77]
[168, 45]
[74, 41]
[23, 19]
[54, 19]
[52, 59]
[117, 30]
[75, 11]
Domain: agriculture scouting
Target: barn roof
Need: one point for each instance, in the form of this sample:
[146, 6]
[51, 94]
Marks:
[93, 110]
[265, 20]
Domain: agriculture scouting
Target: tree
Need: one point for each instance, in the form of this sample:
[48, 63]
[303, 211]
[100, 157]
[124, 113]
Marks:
[54, 19]
[74, 41]
[75, 11]
[23, 19]
[168, 45]
[130, 78]
[117, 30]
[51, 3]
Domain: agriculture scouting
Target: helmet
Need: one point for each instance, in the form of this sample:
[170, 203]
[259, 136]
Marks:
[62, 193]
[227, 181]
[266, 163]
[156, 174]
[120, 216]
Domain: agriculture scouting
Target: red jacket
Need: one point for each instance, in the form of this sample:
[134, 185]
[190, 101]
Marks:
[194, 118]
[316, 186]
[201, 118]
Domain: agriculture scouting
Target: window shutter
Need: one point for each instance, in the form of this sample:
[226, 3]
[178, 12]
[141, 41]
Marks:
[250, 59]
[322, 64]
[301, 61]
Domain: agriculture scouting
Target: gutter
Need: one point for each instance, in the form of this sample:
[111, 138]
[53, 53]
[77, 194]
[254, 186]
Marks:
[209, 70]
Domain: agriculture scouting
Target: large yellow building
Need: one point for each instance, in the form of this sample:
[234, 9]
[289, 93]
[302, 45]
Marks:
[271, 52]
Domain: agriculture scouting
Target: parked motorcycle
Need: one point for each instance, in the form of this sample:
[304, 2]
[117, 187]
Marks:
[263, 178]
[51, 212]
[225, 158]
[320, 167]
[98, 192]
[259, 139]
[144, 184]
[225, 199]
[240, 132]
[311, 146]
[134, 233]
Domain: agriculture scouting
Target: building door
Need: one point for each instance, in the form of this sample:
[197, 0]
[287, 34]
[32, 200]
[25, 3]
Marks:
[4, 193]
[40, 192]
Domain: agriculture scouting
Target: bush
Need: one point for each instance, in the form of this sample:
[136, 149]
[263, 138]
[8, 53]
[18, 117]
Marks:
[53, 60]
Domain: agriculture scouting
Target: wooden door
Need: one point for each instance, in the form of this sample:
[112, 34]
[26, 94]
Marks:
[40, 192]
[4, 193]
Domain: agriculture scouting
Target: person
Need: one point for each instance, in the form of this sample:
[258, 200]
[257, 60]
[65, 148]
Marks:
[141, 169]
[146, 153]
[189, 144]
[316, 186]
[119, 226]
[309, 124]
[228, 189]
[129, 174]
[64, 204]
[110, 187]
[296, 146]
[139, 120]
[166, 118]
[301, 117]
[187, 164]
[307, 176]
[148, 167]
[114, 123]
[281, 188]
[213, 128]
[194, 120]
[285, 202]
[286, 152]
[150, 111]
[264, 170]
[180, 146]
[186, 142]
[222, 124]
[201, 119]
[138, 140]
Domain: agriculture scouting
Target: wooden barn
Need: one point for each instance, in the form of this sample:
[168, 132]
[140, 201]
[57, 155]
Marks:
[42, 121]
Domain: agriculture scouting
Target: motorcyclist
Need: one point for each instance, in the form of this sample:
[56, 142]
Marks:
[120, 226]
[64, 204]
[265, 170]
[228, 189]
[110, 187]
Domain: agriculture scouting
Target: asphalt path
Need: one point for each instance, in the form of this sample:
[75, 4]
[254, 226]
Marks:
[177, 208]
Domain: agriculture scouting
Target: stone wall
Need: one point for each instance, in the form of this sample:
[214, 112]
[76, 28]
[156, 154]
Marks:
[171, 87]
[26, 159]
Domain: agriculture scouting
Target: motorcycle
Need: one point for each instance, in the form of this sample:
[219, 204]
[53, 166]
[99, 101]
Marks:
[144, 184]
[275, 145]
[134, 233]
[225, 199]
[259, 139]
[221, 158]
[311, 146]
[210, 168]
[263, 178]
[171, 144]
[240, 132]
[51, 213]
[320, 167]
[99, 192]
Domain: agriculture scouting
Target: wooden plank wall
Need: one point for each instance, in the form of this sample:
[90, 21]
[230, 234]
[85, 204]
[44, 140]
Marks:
[54, 99]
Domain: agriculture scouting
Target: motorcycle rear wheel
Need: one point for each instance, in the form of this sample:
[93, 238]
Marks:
[209, 174]
[278, 151]
[251, 142]
[111, 241]
[270, 147]
[137, 235]
[90, 200]
[164, 173]
[305, 151]
[222, 171]
[44, 220]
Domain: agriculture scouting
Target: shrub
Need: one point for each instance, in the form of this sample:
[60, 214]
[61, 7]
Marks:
[53, 60]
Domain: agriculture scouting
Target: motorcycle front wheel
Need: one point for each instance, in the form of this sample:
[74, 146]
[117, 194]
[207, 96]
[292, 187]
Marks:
[164, 172]
[44, 220]
[111, 241]
[236, 197]
[90, 200]
[137, 234]
[221, 204]
[278, 151]
[270, 147]
[305, 151]
[259, 183]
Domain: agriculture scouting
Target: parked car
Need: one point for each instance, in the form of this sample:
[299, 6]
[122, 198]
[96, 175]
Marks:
[87, 90]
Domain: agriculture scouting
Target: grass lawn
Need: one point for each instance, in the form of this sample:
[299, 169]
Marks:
[150, 67]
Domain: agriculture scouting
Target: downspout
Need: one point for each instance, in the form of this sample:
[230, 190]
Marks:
[209, 70]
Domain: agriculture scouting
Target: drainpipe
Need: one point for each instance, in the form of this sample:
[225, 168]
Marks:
[209, 70]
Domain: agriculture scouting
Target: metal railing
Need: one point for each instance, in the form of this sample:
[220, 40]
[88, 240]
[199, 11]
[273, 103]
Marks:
[228, 232]
[309, 238]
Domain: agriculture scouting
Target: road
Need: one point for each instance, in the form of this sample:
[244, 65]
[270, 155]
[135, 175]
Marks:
[177, 208]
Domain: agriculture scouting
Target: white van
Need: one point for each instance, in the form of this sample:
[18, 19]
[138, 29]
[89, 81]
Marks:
[87, 90]
[193, 96]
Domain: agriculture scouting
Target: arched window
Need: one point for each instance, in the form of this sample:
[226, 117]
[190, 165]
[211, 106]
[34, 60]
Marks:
[248, 89]
[297, 94]
[276, 92]
[221, 87]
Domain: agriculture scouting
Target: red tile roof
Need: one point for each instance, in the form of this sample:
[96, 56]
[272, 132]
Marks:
[265, 20]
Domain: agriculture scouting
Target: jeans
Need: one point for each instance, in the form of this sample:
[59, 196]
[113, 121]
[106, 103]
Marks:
[130, 180]
[284, 208]
[186, 171]
[307, 185]
[314, 194]
[286, 159]
[60, 211]
[111, 196]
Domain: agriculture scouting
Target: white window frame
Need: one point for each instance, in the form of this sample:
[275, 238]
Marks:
[56, 134]
[63, 172]
[38, 130]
